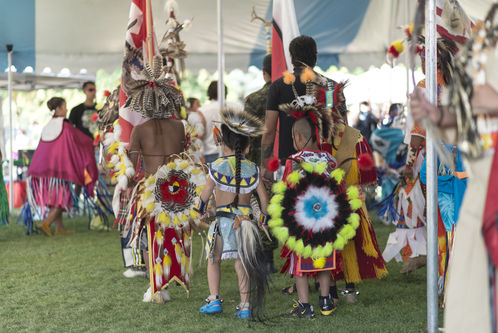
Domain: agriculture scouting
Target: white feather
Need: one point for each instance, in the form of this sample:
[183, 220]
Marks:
[171, 6]
[310, 222]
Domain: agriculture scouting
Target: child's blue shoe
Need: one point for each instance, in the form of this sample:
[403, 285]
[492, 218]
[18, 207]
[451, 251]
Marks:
[244, 314]
[212, 307]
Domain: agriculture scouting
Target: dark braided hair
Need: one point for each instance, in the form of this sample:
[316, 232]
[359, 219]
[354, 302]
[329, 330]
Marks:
[237, 143]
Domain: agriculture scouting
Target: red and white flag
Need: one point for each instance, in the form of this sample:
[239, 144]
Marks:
[136, 56]
[452, 22]
[284, 29]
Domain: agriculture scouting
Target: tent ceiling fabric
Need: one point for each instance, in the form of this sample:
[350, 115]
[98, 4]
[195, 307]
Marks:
[31, 81]
[90, 34]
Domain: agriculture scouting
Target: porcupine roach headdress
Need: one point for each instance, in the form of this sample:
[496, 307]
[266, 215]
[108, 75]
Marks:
[308, 105]
[153, 95]
[242, 122]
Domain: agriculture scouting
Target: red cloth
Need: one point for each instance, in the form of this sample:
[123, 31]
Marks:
[169, 238]
[366, 176]
[19, 193]
[490, 216]
[67, 157]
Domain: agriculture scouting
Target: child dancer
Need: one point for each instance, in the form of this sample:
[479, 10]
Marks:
[233, 235]
[310, 212]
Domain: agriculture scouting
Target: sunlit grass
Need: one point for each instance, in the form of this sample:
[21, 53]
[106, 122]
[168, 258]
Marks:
[74, 283]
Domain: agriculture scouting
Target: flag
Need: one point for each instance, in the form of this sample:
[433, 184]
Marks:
[133, 64]
[284, 29]
[452, 22]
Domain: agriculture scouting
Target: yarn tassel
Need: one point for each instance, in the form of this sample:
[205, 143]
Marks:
[158, 270]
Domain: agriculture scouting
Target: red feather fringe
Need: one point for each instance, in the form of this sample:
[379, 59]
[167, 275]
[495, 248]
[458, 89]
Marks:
[272, 164]
[366, 162]
[393, 51]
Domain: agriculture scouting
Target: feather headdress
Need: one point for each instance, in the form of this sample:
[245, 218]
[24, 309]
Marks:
[110, 111]
[462, 84]
[446, 50]
[312, 104]
[152, 94]
[242, 122]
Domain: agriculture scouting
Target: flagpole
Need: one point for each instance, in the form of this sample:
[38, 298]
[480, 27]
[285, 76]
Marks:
[148, 25]
[11, 130]
[431, 159]
[221, 57]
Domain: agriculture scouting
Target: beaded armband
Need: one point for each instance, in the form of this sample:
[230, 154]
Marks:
[263, 219]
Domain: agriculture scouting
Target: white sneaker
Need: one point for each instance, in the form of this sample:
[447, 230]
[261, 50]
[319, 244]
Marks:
[131, 273]
[147, 296]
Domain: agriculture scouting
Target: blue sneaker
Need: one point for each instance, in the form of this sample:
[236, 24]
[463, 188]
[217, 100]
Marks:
[244, 314]
[212, 307]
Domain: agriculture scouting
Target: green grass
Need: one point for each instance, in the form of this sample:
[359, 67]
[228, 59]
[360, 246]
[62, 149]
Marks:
[74, 283]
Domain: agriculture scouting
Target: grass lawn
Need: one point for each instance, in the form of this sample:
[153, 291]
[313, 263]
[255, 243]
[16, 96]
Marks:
[74, 283]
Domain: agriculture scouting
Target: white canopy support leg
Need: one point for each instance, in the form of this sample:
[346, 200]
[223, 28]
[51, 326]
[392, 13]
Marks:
[221, 56]
[11, 130]
[432, 205]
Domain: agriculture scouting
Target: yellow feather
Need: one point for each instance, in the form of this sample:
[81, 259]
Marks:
[294, 177]
[279, 187]
[176, 221]
[289, 78]
[338, 175]
[320, 167]
[308, 167]
[319, 262]
[307, 75]
[398, 46]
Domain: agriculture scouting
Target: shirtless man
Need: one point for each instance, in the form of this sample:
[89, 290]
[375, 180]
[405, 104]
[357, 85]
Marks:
[156, 140]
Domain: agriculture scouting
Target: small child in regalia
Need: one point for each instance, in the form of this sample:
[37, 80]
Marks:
[311, 213]
[305, 142]
[233, 235]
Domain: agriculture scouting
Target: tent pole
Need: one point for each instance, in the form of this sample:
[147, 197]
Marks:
[11, 130]
[221, 57]
[407, 60]
[432, 206]
[148, 27]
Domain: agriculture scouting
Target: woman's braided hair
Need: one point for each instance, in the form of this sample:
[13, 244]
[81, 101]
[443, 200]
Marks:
[237, 143]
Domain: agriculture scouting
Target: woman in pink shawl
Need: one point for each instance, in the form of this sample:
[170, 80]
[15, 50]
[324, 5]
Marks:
[64, 157]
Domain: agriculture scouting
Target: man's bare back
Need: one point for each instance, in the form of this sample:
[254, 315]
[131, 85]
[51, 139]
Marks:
[156, 140]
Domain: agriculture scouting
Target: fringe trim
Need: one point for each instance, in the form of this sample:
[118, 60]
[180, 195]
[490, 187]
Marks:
[229, 255]
[416, 239]
[350, 263]
[36, 207]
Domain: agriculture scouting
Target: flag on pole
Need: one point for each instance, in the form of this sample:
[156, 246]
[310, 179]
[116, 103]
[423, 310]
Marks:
[136, 55]
[452, 22]
[284, 29]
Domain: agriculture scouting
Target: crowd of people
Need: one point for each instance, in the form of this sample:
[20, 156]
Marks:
[287, 169]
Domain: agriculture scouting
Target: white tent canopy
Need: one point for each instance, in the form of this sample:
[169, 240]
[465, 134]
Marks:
[89, 34]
